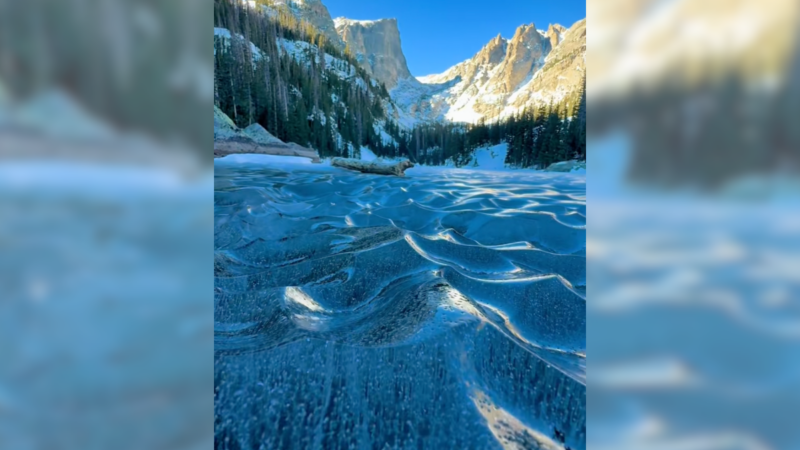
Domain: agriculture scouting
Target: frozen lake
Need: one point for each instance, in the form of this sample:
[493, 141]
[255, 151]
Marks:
[445, 309]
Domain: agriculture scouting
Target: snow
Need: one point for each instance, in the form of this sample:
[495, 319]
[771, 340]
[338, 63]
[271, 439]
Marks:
[342, 21]
[386, 138]
[411, 95]
[300, 50]
[465, 115]
[367, 155]
[226, 34]
[268, 160]
[489, 158]
[458, 93]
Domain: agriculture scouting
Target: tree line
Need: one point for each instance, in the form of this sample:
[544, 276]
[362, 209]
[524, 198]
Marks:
[536, 137]
[331, 105]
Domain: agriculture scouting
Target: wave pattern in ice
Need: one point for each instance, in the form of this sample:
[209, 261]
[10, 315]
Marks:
[445, 309]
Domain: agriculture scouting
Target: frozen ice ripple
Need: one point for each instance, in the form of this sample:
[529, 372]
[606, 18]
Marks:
[445, 309]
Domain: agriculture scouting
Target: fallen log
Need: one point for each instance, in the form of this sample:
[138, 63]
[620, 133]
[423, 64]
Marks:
[378, 168]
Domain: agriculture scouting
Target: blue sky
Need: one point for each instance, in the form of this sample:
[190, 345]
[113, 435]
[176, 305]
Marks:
[437, 34]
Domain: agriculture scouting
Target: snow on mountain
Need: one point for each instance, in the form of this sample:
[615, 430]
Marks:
[343, 21]
[303, 51]
[505, 76]
[226, 35]
[533, 67]
[501, 79]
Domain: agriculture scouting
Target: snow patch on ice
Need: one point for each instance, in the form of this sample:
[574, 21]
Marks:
[268, 160]
[367, 155]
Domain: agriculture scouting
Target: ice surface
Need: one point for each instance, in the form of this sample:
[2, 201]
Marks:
[444, 309]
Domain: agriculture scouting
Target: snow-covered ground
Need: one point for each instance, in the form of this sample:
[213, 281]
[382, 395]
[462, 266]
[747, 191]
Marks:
[266, 160]
[226, 34]
[489, 158]
[367, 155]
[303, 51]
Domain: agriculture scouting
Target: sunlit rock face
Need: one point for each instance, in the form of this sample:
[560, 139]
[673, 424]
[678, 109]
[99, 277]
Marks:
[535, 67]
[525, 55]
[555, 34]
[376, 44]
[315, 13]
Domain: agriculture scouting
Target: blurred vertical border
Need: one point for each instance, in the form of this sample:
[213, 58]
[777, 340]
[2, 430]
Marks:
[106, 235]
[693, 243]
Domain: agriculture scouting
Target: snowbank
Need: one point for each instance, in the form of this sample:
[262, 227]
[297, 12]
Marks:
[489, 158]
[269, 160]
[367, 155]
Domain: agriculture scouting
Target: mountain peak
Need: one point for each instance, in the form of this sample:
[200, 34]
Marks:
[526, 32]
[344, 21]
[555, 33]
[493, 52]
[376, 44]
[525, 28]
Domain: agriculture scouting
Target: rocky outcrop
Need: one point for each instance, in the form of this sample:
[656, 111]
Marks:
[315, 13]
[555, 34]
[376, 45]
[525, 55]
[230, 139]
[492, 53]
[260, 135]
[563, 72]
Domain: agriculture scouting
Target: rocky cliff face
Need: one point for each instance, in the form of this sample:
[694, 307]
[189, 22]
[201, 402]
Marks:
[315, 13]
[376, 45]
[555, 34]
[532, 67]
[562, 73]
[525, 55]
